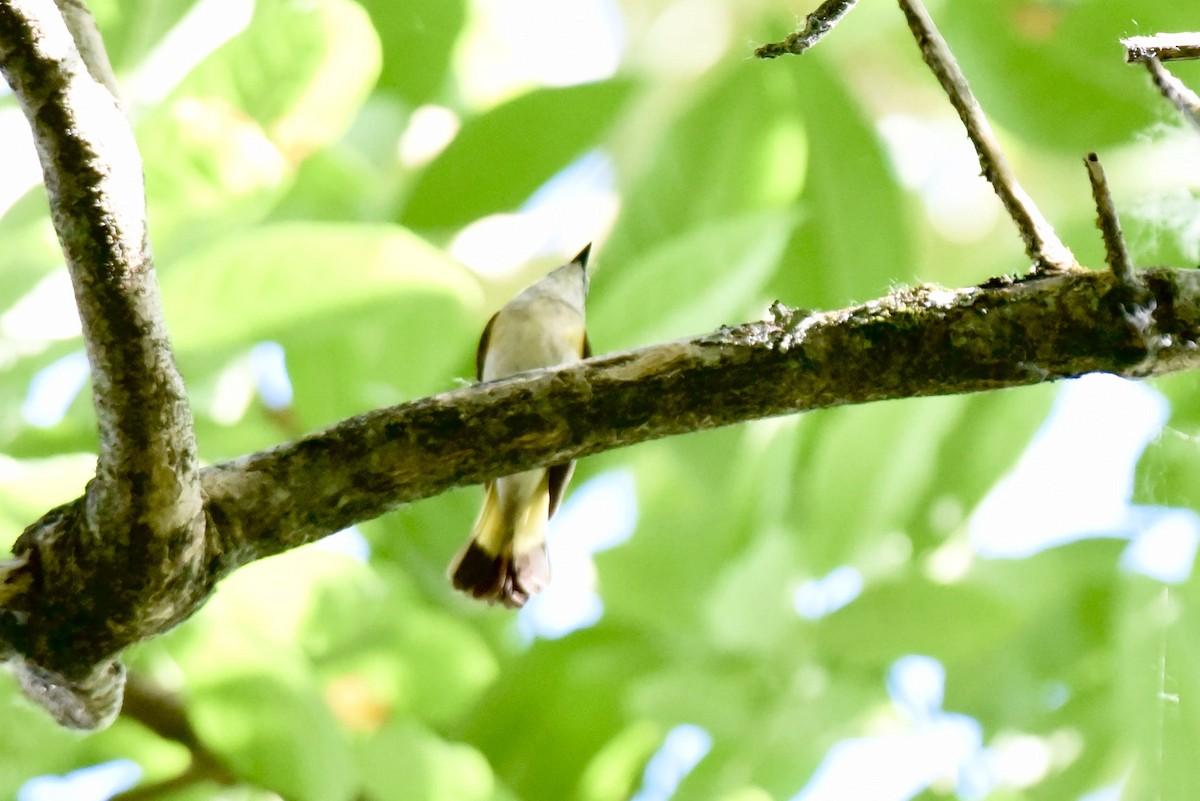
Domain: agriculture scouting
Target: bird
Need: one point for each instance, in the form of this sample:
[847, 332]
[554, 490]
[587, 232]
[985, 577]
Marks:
[544, 326]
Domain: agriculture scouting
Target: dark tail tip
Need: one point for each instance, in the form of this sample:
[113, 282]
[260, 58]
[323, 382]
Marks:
[500, 578]
[476, 572]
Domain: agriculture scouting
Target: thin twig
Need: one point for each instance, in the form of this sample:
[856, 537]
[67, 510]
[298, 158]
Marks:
[1042, 245]
[1173, 89]
[816, 26]
[82, 26]
[161, 712]
[1163, 46]
[165, 788]
[1116, 254]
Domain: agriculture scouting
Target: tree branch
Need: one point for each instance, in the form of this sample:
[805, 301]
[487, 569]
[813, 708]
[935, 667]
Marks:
[1174, 90]
[1162, 46]
[145, 502]
[83, 30]
[141, 550]
[1109, 224]
[913, 342]
[162, 713]
[816, 26]
[1048, 253]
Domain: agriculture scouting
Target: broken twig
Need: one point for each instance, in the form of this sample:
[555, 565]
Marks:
[1116, 254]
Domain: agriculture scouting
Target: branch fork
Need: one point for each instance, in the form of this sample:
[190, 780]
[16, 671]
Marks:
[153, 533]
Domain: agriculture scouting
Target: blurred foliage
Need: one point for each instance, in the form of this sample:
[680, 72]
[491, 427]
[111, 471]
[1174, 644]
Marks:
[283, 209]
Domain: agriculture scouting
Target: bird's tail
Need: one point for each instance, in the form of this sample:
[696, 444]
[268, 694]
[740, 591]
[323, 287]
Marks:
[505, 559]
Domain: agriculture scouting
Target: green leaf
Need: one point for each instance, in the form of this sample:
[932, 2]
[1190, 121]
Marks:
[715, 275]
[555, 708]
[1159, 712]
[1055, 662]
[689, 526]
[31, 250]
[300, 69]
[334, 184]
[253, 694]
[132, 28]
[32, 744]
[615, 773]
[275, 730]
[862, 470]
[406, 761]
[75, 433]
[1168, 470]
[737, 148]
[210, 170]
[499, 158]
[254, 285]
[994, 428]
[750, 608]
[416, 661]
[418, 40]
[854, 243]
[29, 487]
[913, 616]
[1053, 73]
[405, 345]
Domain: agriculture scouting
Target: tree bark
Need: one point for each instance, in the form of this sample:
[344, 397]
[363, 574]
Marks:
[152, 535]
[98, 564]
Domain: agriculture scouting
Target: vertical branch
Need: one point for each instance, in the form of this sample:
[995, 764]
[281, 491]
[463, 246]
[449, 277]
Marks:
[94, 181]
[144, 508]
[1042, 245]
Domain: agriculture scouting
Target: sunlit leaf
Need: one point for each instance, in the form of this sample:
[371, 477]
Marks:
[569, 697]
[132, 28]
[854, 240]
[900, 617]
[300, 69]
[716, 273]
[499, 158]
[251, 286]
[737, 148]
[417, 39]
[276, 731]
[209, 170]
[1055, 72]
[406, 761]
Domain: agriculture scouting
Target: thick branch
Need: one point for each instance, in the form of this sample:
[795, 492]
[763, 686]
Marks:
[1048, 253]
[145, 502]
[914, 342]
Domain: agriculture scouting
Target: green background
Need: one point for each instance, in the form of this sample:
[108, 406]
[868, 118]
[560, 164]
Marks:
[280, 211]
